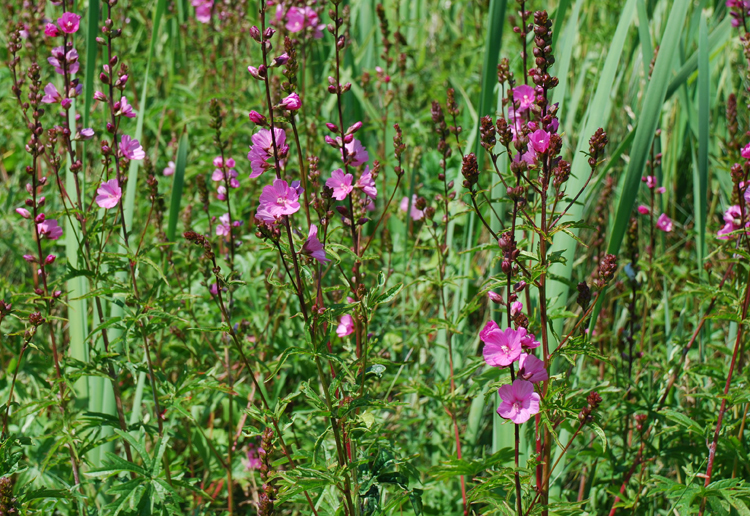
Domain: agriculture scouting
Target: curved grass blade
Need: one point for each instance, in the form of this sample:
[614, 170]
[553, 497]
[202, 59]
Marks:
[177, 185]
[644, 133]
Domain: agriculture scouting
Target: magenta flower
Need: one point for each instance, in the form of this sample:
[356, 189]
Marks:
[539, 141]
[109, 194]
[495, 297]
[650, 181]
[528, 340]
[23, 212]
[356, 154]
[231, 176]
[501, 347]
[59, 56]
[313, 247]
[69, 22]
[50, 30]
[416, 214]
[525, 96]
[51, 95]
[124, 108]
[746, 151]
[224, 228]
[49, 229]
[661, 189]
[257, 118]
[532, 369]
[340, 183]
[85, 134]
[252, 462]
[346, 326]
[295, 19]
[262, 150]
[169, 169]
[643, 210]
[292, 102]
[516, 308]
[519, 401]
[367, 183]
[131, 148]
[279, 199]
[733, 222]
[664, 223]
[202, 10]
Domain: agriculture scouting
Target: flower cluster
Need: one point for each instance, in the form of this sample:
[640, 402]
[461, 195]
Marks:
[203, 9]
[504, 348]
[302, 19]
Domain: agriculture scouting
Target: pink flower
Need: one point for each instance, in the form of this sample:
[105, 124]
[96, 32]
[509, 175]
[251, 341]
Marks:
[224, 228]
[746, 151]
[49, 229]
[295, 19]
[279, 199]
[501, 347]
[313, 247]
[59, 56]
[257, 117]
[661, 189]
[169, 169]
[356, 154]
[51, 95]
[495, 298]
[519, 401]
[416, 214]
[292, 102]
[340, 183]
[664, 223]
[85, 134]
[346, 326]
[131, 148]
[69, 22]
[50, 30]
[528, 341]
[532, 369]
[262, 150]
[515, 308]
[109, 194]
[733, 222]
[125, 109]
[367, 183]
[650, 181]
[202, 10]
[643, 210]
[252, 462]
[300, 18]
[525, 96]
[539, 140]
[231, 175]
[23, 212]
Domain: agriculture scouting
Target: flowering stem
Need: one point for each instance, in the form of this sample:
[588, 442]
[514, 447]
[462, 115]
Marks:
[723, 407]
[302, 172]
[264, 401]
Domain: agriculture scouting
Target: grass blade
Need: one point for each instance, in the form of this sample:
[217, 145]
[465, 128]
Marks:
[177, 185]
[644, 134]
[595, 118]
[700, 181]
[647, 124]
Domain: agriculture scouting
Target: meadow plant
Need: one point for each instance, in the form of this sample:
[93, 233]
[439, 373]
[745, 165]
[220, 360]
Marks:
[385, 296]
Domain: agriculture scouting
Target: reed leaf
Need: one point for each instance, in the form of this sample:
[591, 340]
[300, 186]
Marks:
[177, 185]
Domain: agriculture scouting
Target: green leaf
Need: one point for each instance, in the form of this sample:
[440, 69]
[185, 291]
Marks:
[177, 185]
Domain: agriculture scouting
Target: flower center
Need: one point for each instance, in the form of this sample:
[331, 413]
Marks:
[517, 406]
[505, 349]
[281, 201]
